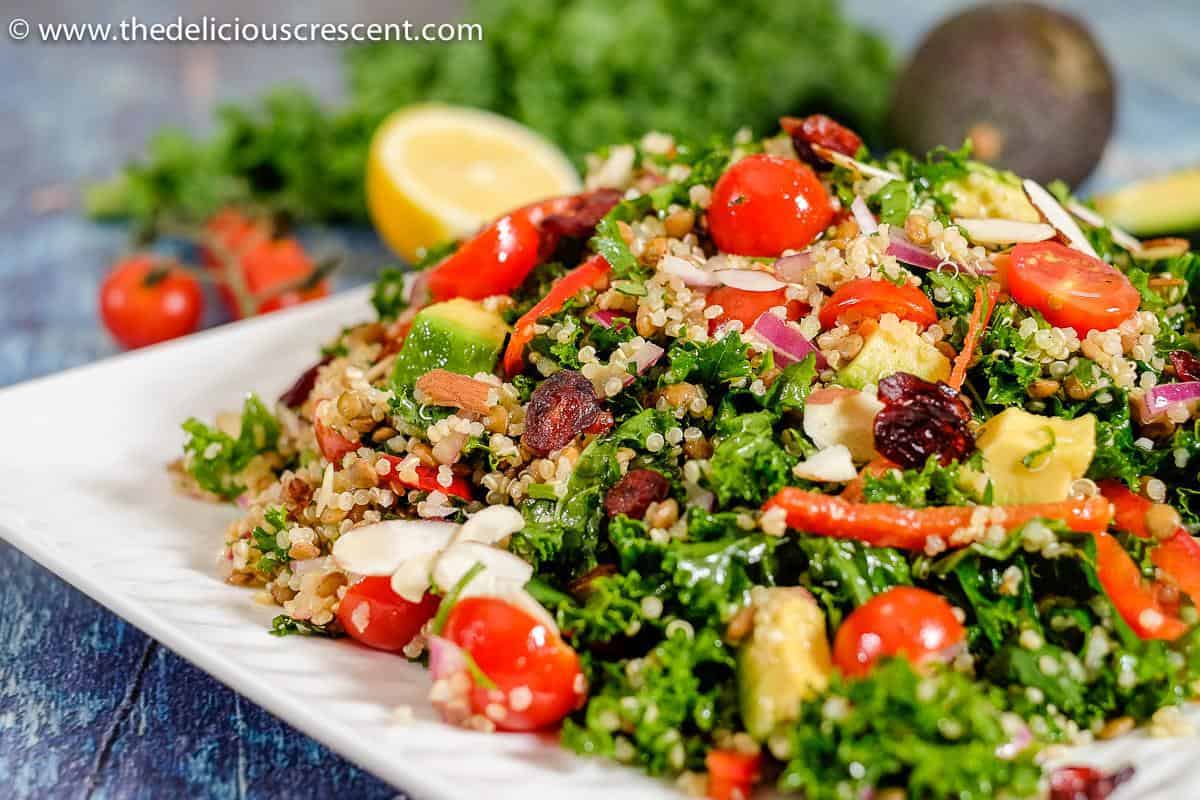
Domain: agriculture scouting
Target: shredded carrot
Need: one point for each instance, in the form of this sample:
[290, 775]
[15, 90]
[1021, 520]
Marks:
[980, 314]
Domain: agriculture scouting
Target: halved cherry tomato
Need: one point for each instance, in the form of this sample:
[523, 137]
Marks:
[589, 275]
[332, 444]
[1071, 289]
[143, 302]
[494, 262]
[731, 774]
[904, 620]
[747, 306]
[378, 617]
[866, 298]
[536, 673]
[764, 205]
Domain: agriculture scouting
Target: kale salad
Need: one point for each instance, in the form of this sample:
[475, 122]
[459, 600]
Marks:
[758, 463]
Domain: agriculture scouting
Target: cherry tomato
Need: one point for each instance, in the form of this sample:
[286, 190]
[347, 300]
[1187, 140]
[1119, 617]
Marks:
[272, 264]
[537, 675]
[332, 444]
[731, 774]
[904, 620]
[378, 617]
[747, 306]
[143, 302]
[231, 234]
[865, 298]
[496, 261]
[764, 205]
[1071, 289]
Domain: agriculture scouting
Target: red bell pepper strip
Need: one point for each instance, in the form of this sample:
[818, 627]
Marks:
[731, 774]
[591, 274]
[332, 444]
[1134, 599]
[1178, 556]
[495, 261]
[888, 525]
[427, 480]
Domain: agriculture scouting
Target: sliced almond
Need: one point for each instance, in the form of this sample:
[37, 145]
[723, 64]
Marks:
[833, 465]
[502, 573]
[688, 272]
[1121, 237]
[1053, 213]
[381, 548]
[1167, 247]
[411, 578]
[842, 160]
[1004, 231]
[749, 280]
[491, 525]
[444, 388]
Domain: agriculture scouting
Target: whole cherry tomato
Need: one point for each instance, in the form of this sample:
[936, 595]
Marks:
[764, 205]
[904, 620]
[144, 301]
[866, 298]
[536, 674]
[1071, 289]
[378, 617]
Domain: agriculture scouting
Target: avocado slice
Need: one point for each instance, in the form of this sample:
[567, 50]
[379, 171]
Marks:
[893, 348]
[1157, 206]
[785, 661]
[458, 335]
[1035, 459]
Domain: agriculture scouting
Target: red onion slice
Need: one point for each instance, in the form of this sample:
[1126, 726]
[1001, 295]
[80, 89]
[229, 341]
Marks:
[908, 253]
[785, 339]
[1160, 399]
[688, 272]
[863, 216]
[445, 658]
[607, 317]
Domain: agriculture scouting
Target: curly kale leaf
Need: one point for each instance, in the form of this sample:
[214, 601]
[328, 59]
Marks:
[932, 485]
[933, 736]
[216, 459]
[843, 574]
[748, 465]
[708, 363]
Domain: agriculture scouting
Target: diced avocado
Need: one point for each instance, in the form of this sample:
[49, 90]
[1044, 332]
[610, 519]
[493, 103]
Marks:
[785, 661]
[1035, 459]
[1157, 206]
[989, 193]
[894, 347]
[457, 335]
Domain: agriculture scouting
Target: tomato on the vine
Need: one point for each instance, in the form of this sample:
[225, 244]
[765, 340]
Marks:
[1071, 289]
[536, 674]
[867, 298]
[903, 620]
[143, 301]
[747, 306]
[765, 204]
[378, 617]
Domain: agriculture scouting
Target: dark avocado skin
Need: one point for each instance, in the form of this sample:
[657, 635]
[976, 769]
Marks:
[1032, 79]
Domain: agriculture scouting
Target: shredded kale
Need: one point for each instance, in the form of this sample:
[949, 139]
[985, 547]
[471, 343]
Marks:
[748, 464]
[216, 459]
[843, 574]
[709, 363]
[933, 736]
[932, 485]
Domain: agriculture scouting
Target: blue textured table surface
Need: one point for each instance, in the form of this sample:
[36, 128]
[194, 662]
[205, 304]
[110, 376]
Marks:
[89, 706]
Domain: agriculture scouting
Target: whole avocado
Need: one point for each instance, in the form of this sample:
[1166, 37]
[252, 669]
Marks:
[1028, 86]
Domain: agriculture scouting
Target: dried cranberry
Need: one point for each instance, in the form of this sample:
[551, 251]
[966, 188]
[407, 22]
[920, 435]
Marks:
[634, 493]
[1187, 366]
[299, 391]
[821, 130]
[921, 419]
[1086, 783]
[579, 220]
[561, 408]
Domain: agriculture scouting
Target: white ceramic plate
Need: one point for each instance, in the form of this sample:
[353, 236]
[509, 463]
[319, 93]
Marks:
[83, 490]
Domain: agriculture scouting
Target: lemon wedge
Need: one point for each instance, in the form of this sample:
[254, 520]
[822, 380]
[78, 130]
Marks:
[439, 172]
